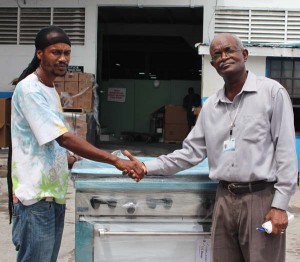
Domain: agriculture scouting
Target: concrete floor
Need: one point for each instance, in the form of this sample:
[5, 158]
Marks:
[138, 148]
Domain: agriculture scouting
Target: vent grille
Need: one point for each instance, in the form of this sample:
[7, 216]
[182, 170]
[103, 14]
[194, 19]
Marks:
[31, 21]
[293, 25]
[259, 26]
[72, 21]
[8, 25]
[20, 25]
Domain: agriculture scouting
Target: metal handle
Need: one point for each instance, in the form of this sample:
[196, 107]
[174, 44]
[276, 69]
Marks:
[96, 202]
[103, 232]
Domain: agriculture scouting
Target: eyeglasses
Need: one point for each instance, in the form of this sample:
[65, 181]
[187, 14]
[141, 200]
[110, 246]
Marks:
[228, 52]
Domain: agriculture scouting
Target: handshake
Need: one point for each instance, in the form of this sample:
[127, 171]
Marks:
[132, 167]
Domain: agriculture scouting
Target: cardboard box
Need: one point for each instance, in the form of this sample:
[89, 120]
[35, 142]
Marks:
[197, 110]
[85, 102]
[76, 124]
[85, 85]
[175, 115]
[86, 77]
[5, 111]
[71, 87]
[175, 132]
[71, 77]
[59, 79]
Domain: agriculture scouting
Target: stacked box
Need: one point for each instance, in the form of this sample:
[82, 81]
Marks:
[71, 88]
[77, 88]
[197, 110]
[85, 86]
[76, 124]
[175, 124]
[5, 111]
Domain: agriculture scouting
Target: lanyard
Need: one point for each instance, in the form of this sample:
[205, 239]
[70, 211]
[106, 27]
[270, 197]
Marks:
[232, 121]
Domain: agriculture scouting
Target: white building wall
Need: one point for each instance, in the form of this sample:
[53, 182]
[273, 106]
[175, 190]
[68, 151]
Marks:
[14, 58]
[269, 4]
[256, 62]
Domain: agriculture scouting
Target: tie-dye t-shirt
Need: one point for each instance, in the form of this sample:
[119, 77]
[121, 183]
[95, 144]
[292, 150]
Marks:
[39, 164]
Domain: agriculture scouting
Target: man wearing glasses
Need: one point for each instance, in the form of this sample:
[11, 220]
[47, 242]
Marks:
[246, 131]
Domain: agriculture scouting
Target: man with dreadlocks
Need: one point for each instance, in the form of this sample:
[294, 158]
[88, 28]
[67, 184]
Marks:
[39, 156]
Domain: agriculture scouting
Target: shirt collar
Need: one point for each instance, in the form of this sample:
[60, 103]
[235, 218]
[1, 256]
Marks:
[249, 86]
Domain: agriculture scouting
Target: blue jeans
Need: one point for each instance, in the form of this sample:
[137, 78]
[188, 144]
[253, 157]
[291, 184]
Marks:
[37, 231]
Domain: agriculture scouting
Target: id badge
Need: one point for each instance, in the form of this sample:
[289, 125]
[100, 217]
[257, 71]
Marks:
[229, 145]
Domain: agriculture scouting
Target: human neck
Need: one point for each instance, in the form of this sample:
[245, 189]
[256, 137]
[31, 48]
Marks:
[233, 86]
[44, 78]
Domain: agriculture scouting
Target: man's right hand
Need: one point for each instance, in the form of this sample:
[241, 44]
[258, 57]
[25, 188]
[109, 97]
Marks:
[138, 171]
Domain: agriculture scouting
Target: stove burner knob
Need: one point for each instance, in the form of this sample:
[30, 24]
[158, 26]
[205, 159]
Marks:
[207, 204]
[168, 202]
[151, 203]
[130, 207]
[130, 210]
[96, 202]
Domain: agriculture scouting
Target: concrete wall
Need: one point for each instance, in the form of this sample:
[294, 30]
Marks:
[256, 62]
[271, 4]
[14, 58]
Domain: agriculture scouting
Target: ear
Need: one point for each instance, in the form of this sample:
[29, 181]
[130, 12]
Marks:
[245, 54]
[39, 54]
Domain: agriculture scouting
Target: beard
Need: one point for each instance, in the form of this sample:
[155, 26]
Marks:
[56, 69]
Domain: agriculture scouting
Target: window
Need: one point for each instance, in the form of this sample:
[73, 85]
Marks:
[287, 72]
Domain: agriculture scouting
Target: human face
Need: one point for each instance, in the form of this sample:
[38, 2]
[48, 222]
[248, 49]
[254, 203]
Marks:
[227, 57]
[54, 59]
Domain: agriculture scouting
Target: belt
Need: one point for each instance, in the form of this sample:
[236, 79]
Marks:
[237, 188]
[47, 199]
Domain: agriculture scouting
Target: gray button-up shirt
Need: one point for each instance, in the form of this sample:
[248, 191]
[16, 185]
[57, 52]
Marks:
[264, 139]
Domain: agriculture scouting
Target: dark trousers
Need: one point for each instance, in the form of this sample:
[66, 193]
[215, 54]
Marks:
[234, 234]
[191, 119]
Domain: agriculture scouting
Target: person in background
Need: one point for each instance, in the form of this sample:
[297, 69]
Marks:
[40, 141]
[190, 101]
[246, 130]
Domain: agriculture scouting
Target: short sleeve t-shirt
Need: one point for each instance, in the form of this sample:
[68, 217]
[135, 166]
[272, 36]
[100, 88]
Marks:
[39, 164]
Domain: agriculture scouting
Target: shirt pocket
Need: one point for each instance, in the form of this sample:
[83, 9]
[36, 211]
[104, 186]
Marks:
[255, 127]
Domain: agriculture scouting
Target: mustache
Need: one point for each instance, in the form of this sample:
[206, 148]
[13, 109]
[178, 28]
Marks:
[62, 64]
[222, 64]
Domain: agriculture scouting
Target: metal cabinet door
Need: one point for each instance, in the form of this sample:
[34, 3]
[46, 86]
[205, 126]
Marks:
[150, 242]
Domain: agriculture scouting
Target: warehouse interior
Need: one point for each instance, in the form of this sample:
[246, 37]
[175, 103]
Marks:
[149, 55]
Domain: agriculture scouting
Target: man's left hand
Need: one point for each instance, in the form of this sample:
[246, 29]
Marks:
[279, 220]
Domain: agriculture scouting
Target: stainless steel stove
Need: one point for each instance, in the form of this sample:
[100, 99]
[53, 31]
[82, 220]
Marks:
[161, 218]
